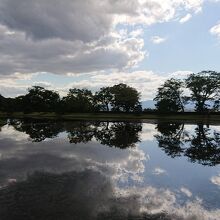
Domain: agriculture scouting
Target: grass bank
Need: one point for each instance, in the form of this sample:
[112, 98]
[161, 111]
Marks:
[186, 117]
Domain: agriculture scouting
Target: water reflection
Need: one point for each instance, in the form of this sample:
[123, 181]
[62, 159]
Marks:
[90, 194]
[37, 130]
[74, 195]
[201, 145]
[117, 134]
[121, 134]
[62, 170]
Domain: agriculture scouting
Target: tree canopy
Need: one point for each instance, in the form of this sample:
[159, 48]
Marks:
[169, 96]
[204, 87]
[125, 98]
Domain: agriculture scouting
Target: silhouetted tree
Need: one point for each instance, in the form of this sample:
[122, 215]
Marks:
[103, 98]
[169, 96]
[39, 99]
[125, 98]
[2, 99]
[78, 100]
[204, 87]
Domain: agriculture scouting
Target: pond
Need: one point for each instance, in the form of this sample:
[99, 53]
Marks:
[108, 170]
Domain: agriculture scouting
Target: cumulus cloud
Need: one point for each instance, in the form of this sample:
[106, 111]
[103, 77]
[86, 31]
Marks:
[60, 56]
[79, 36]
[146, 82]
[86, 20]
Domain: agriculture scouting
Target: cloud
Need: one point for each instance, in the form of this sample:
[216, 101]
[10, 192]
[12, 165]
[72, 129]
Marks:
[69, 20]
[186, 18]
[46, 85]
[159, 171]
[61, 57]
[215, 30]
[158, 40]
[86, 20]
[186, 191]
[80, 36]
[180, 74]
[146, 82]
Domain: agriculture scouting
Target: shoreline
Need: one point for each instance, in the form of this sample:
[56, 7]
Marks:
[213, 118]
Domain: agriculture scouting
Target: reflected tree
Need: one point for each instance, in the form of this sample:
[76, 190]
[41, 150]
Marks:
[204, 146]
[2, 123]
[119, 134]
[37, 130]
[80, 132]
[201, 146]
[171, 138]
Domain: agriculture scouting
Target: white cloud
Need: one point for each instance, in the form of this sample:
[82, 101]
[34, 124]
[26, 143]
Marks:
[215, 30]
[44, 84]
[146, 82]
[83, 39]
[186, 18]
[158, 40]
[180, 74]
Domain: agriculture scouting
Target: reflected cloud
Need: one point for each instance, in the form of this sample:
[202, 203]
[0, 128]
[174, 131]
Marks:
[8, 132]
[90, 194]
[159, 171]
[216, 180]
[186, 191]
[64, 177]
[148, 132]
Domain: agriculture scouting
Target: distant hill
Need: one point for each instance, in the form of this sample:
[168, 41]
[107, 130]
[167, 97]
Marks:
[151, 104]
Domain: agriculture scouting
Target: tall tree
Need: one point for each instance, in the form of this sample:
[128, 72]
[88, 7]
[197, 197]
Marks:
[40, 99]
[169, 96]
[78, 100]
[204, 87]
[103, 98]
[125, 98]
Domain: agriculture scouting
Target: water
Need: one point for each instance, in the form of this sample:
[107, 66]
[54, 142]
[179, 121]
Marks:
[109, 170]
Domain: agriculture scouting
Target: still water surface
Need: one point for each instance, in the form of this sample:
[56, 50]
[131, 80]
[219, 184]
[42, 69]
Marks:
[109, 170]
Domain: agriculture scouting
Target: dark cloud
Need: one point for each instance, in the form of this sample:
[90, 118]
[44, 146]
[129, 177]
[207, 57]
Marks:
[45, 19]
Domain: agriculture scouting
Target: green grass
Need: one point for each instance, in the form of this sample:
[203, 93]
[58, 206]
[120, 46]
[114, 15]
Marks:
[188, 117]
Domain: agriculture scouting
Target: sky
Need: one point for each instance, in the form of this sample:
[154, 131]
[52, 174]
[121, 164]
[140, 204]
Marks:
[91, 43]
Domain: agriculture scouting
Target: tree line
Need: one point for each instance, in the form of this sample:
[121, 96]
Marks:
[202, 89]
[120, 97]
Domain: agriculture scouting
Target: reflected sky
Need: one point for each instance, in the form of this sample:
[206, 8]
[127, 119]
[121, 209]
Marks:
[111, 170]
